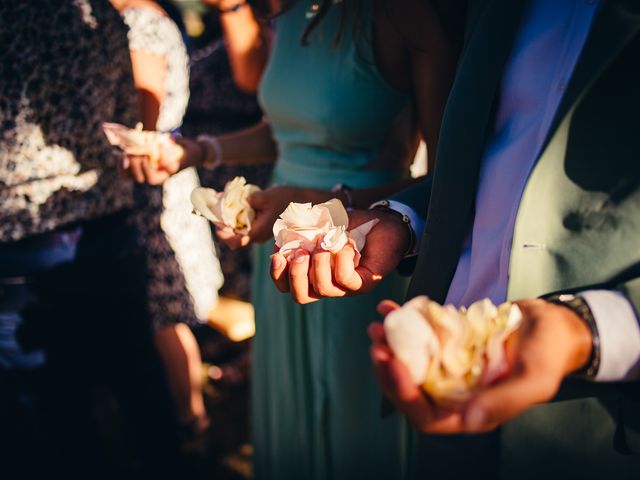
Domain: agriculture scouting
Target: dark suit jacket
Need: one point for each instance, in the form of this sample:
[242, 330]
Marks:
[581, 205]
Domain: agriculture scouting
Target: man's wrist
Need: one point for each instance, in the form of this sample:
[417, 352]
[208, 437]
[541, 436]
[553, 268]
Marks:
[587, 361]
[405, 227]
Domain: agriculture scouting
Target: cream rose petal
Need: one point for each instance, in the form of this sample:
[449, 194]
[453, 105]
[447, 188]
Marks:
[338, 214]
[334, 240]
[470, 345]
[359, 234]
[227, 209]
[412, 339]
[299, 214]
[136, 141]
[510, 318]
[325, 226]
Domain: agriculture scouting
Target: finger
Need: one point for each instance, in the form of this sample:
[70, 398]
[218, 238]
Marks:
[369, 279]
[504, 400]
[231, 239]
[345, 269]
[225, 233]
[151, 174]
[301, 290]
[396, 383]
[322, 276]
[385, 307]
[279, 273]
[136, 168]
[376, 333]
[258, 199]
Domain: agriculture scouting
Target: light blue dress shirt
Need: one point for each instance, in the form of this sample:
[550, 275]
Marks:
[544, 56]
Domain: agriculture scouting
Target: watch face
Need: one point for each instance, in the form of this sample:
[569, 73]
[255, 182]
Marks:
[566, 297]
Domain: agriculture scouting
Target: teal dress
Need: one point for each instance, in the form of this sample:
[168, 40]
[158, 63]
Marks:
[315, 402]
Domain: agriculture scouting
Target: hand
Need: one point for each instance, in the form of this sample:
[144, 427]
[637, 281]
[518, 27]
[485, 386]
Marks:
[311, 277]
[173, 158]
[551, 343]
[268, 205]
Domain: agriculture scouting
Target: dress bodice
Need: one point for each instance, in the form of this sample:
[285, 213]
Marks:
[328, 104]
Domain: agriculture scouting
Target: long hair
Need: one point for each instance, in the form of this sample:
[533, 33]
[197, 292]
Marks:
[265, 9]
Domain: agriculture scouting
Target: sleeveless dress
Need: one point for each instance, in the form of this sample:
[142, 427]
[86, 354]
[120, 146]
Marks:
[315, 402]
[183, 271]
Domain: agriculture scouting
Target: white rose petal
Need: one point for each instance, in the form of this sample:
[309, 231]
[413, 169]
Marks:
[136, 141]
[306, 226]
[334, 240]
[449, 351]
[412, 339]
[227, 209]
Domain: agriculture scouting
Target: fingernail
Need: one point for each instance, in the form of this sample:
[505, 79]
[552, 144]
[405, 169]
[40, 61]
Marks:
[475, 418]
[299, 256]
[380, 356]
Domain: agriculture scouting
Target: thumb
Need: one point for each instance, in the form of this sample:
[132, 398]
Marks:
[504, 400]
[385, 307]
[258, 199]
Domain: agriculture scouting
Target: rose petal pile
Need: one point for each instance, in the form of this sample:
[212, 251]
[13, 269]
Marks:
[227, 209]
[136, 141]
[322, 226]
[449, 351]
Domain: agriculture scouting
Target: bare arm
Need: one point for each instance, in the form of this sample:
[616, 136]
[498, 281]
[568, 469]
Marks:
[148, 75]
[250, 146]
[247, 43]
[416, 54]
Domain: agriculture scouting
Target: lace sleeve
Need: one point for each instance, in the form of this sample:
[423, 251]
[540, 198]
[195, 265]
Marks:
[150, 31]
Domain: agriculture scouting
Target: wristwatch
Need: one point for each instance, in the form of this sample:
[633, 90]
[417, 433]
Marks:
[386, 206]
[581, 308]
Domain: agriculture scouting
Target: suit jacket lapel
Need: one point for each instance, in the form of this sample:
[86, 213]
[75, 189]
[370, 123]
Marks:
[462, 141]
[616, 24]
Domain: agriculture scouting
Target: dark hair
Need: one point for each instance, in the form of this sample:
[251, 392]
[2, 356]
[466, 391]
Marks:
[263, 8]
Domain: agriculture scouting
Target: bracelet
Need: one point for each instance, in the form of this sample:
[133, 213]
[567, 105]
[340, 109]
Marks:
[347, 191]
[212, 151]
[233, 8]
[384, 205]
[580, 307]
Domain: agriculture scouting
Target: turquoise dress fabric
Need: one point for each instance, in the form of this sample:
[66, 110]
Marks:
[315, 403]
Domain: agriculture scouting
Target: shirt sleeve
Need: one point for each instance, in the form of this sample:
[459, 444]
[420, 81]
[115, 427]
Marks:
[619, 332]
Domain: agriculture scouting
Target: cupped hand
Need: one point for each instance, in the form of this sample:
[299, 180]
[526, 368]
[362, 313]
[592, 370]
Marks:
[551, 343]
[322, 274]
[174, 155]
[268, 205]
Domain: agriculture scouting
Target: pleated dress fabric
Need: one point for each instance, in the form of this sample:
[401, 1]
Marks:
[315, 403]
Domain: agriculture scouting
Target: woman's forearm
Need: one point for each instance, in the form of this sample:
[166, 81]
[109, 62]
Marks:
[251, 146]
[149, 74]
[247, 46]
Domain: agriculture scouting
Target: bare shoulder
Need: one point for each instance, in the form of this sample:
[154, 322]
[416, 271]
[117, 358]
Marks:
[423, 24]
[404, 29]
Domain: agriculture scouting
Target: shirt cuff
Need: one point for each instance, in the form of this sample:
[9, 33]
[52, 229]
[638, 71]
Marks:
[416, 223]
[619, 333]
